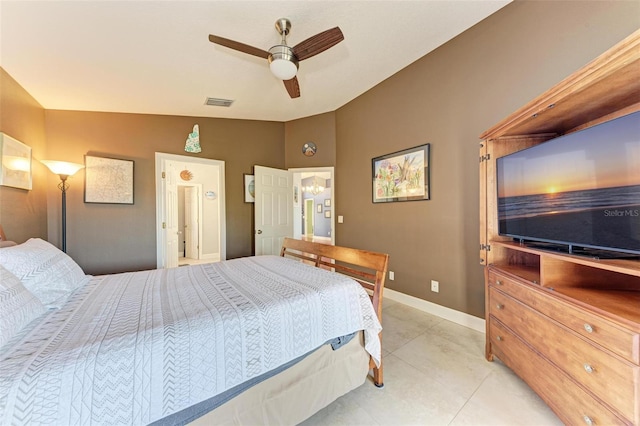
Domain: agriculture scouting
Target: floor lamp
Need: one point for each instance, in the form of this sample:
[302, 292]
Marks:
[64, 170]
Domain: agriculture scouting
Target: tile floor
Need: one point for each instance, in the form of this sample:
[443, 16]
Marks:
[183, 261]
[435, 373]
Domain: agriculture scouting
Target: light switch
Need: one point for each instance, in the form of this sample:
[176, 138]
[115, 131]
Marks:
[340, 219]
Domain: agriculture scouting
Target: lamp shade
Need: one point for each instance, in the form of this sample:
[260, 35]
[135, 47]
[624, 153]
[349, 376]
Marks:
[282, 62]
[62, 167]
[283, 69]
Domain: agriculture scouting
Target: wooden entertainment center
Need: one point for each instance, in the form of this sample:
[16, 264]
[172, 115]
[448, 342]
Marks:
[568, 325]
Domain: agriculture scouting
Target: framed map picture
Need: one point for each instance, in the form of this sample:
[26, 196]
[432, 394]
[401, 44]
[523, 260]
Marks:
[108, 180]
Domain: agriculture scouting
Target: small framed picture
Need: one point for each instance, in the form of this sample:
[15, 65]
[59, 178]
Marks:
[327, 214]
[327, 202]
[319, 208]
[249, 189]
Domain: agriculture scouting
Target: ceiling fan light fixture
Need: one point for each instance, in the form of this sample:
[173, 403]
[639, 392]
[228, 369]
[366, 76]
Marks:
[282, 62]
[283, 59]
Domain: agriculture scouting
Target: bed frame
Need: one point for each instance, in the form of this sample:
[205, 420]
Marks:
[286, 397]
[337, 371]
[366, 267]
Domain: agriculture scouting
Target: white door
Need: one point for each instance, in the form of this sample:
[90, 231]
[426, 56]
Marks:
[273, 212]
[171, 215]
[191, 222]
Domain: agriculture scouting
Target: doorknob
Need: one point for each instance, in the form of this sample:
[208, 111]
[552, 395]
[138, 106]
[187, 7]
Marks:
[259, 231]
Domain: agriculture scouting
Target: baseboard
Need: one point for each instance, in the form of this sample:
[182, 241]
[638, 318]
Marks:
[449, 314]
[214, 257]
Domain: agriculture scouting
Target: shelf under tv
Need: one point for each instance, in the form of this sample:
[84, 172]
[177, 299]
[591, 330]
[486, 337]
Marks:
[576, 250]
[624, 266]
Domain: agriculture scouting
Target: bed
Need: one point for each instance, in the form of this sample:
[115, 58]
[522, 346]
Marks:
[257, 340]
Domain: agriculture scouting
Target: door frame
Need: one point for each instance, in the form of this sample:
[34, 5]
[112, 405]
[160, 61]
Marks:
[160, 162]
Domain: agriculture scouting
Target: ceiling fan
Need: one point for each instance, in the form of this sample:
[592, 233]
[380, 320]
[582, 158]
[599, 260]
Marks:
[283, 59]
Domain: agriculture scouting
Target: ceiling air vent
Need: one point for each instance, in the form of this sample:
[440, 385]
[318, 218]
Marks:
[219, 102]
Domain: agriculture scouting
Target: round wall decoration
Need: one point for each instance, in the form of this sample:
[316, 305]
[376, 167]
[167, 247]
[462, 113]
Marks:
[186, 175]
[309, 149]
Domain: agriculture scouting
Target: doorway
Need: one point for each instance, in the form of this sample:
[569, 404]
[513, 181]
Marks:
[173, 171]
[289, 205]
[322, 204]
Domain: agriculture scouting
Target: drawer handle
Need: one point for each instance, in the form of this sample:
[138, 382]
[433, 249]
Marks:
[498, 282]
[588, 328]
[589, 369]
[588, 420]
[500, 339]
[499, 306]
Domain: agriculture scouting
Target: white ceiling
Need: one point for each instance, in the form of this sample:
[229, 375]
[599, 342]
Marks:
[155, 57]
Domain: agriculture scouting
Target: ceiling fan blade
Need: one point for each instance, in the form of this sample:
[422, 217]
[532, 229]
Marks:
[292, 87]
[236, 45]
[318, 43]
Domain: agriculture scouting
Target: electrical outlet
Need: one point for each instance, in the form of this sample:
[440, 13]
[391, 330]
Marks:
[435, 286]
[392, 276]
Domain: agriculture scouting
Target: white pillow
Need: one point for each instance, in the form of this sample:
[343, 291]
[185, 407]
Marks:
[18, 307]
[44, 270]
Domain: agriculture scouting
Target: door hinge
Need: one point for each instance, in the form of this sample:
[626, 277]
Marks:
[485, 157]
[164, 225]
[486, 247]
[164, 175]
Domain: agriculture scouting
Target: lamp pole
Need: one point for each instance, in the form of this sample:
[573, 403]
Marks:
[63, 169]
[63, 185]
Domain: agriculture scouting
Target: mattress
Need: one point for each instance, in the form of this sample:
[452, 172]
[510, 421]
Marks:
[137, 347]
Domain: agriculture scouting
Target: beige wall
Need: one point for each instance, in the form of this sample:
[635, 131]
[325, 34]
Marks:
[447, 99]
[23, 214]
[319, 129]
[112, 238]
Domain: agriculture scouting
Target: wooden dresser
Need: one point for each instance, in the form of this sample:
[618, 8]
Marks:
[567, 325]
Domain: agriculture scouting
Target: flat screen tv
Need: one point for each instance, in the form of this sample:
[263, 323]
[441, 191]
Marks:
[579, 192]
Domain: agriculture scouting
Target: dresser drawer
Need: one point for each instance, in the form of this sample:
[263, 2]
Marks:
[619, 340]
[611, 378]
[573, 404]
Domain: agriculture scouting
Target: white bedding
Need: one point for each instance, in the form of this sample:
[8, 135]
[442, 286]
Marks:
[133, 348]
